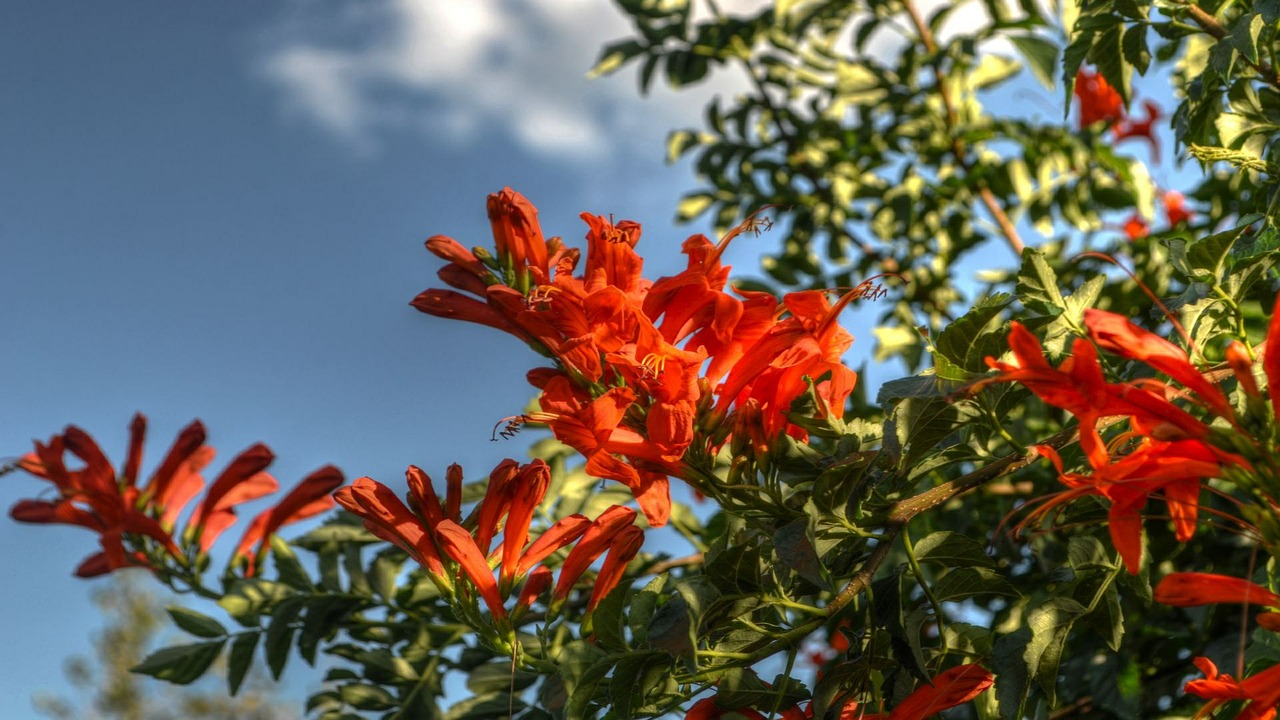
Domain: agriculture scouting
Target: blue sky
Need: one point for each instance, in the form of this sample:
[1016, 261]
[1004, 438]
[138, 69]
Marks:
[216, 210]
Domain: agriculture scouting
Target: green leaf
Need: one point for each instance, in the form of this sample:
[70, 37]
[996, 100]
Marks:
[1134, 47]
[1012, 671]
[288, 569]
[614, 56]
[366, 696]
[249, 598]
[743, 688]
[180, 664]
[674, 626]
[1108, 56]
[966, 342]
[635, 675]
[499, 677]
[643, 605]
[239, 658]
[1107, 620]
[1041, 56]
[1085, 552]
[384, 570]
[1269, 10]
[1050, 625]
[195, 623]
[279, 635]
[494, 706]
[794, 548]
[607, 621]
[951, 549]
[963, 583]
[1244, 35]
[1037, 286]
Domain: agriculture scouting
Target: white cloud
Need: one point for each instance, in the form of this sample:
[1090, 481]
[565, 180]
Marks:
[462, 69]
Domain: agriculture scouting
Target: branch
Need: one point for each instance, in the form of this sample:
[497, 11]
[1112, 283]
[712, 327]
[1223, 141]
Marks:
[957, 145]
[1210, 24]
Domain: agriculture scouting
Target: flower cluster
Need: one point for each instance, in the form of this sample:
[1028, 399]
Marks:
[645, 370]
[125, 514]
[1261, 690]
[434, 534]
[948, 689]
[1166, 450]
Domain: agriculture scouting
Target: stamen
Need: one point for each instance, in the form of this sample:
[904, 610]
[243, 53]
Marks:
[540, 296]
[512, 428]
[652, 364]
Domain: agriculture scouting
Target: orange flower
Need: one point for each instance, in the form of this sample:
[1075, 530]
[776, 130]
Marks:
[1136, 228]
[388, 518]
[598, 538]
[948, 689]
[459, 545]
[1175, 208]
[243, 480]
[808, 343]
[1116, 334]
[622, 549]
[1261, 690]
[1130, 128]
[112, 504]
[1176, 468]
[308, 498]
[1098, 100]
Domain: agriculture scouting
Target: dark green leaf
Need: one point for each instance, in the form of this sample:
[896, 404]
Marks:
[1050, 625]
[963, 583]
[288, 569]
[794, 548]
[366, 696]
[951, 549]
[643, 605]
[279, 635]
[1041, 56]
[1012, 671]
[239, 658]
[181, 664]
[607, 621]
[195, 623]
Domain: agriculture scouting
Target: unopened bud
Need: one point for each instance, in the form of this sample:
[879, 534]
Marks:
[1241, 362]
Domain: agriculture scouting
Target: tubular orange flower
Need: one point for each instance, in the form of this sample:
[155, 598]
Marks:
[388, 518]
[808, 343]
[1175, 208]
[1271, 359]
[948, 689]
[594, 542]
[242, 480]
[1191, 589]
[458, 544]
[308, 498]
[1176, 468]
[111, 503]
[1115, 333]
[623, 548]
[1136, 228]
[534, 585]
[1261, 690]
[1098, 100]
[562, 533]
[525, 494]
[1131, 128]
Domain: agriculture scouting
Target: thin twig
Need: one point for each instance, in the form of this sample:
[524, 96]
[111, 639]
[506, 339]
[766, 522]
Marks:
[1211, 25]
[957, 145]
